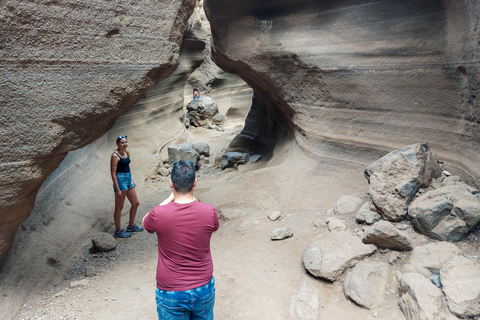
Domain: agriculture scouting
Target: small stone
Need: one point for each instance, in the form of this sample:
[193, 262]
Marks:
[103, 241]
[282, 233]
[164, 172]
[255, 158]
[320, 223]
[274, 215]
[60, 294]
[79, 283]
[90, 271]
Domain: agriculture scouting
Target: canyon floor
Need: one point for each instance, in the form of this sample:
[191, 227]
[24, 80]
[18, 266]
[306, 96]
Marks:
[256, 278]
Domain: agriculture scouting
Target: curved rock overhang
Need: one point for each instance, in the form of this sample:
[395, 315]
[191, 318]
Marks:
[68, 69]
[355, 79]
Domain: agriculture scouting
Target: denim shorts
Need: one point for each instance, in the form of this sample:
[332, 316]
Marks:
[124, 180]
[193, 304]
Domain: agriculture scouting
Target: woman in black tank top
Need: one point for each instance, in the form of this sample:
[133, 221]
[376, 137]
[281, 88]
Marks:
[124, 187]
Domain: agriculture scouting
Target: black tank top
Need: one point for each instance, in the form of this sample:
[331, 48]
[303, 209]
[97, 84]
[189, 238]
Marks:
[123, 164]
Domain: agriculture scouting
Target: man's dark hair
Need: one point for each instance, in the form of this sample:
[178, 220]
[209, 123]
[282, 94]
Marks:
[183, 176]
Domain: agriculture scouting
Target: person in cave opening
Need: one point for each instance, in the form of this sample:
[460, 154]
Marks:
[123, 186]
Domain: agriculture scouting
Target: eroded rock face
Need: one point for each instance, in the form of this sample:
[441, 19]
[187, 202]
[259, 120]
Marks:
[356, 84]
[67, 71]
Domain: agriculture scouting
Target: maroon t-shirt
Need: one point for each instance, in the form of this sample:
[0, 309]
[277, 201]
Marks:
[183, 233]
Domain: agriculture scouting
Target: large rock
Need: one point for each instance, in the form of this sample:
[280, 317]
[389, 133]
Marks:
[384, 235]
[67, 71]
[233, 159]
[448, 213]
[460, 278]
[329, 254]
[419, 298]
[103, 241]
[347, 205]
[183, 151]
[395, 178]
[367, 215]
[203, 112]
[429, 259]
[366, 283]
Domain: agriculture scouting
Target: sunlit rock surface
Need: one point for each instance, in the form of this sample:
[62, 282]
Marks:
[360, 78]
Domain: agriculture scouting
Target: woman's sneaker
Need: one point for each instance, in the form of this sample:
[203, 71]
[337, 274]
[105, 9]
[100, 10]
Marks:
[134, 228]
[122, 234]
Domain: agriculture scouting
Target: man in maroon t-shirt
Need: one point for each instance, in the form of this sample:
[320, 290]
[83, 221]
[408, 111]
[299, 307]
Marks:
[185, 283]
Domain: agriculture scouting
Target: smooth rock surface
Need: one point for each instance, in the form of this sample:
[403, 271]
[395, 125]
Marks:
[384, 235]
[427, 260]
[460, 278]
[447, 214]
[347, 205]
[366, 282]
[329, 254]
[395, 178]
[419, 298]
[68, 70]
[103, 241]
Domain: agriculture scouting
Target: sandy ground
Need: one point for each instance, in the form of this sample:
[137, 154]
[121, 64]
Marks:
[256, 278]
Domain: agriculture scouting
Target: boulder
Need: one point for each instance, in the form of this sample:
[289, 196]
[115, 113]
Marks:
[103, 241]
[347, 205]
[183, 151]
[203, 112]
[395, 178]
[202, 148]
[427, 260]
[384, 235]
[448, 213]
[367, 215]
[329, 254]
[282, 233]
[460, 278]
[366, 282]
[335, 224]
[233, 159]
[419, 298]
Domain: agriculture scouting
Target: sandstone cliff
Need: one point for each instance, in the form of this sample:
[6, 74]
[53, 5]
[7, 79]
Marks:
[354, 79]
[68, 69]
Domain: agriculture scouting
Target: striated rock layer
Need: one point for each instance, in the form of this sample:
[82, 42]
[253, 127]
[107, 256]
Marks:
[355, 79]
[68, 69]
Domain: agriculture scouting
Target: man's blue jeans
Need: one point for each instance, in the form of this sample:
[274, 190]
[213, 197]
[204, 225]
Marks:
[193, 304]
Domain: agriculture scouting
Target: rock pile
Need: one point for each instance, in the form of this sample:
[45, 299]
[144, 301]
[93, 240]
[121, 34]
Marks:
[436, 280]
[203, 112]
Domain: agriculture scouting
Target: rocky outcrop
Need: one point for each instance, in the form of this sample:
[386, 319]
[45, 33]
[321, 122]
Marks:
[183, 151]
[447, 214]
[68, 70]
[203, 112]
[395, 178]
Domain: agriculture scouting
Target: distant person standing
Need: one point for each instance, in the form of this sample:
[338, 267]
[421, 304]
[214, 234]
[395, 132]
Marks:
[123, 186]
[184, 226]
[196, 94]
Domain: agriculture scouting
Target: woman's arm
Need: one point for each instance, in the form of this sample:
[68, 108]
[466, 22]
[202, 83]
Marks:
[113, 169]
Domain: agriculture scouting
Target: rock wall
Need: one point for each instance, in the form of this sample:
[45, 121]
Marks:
[355, 79]
[68, 69]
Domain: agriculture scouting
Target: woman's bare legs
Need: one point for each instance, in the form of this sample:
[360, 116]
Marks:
[119, 201]
[132, 197]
